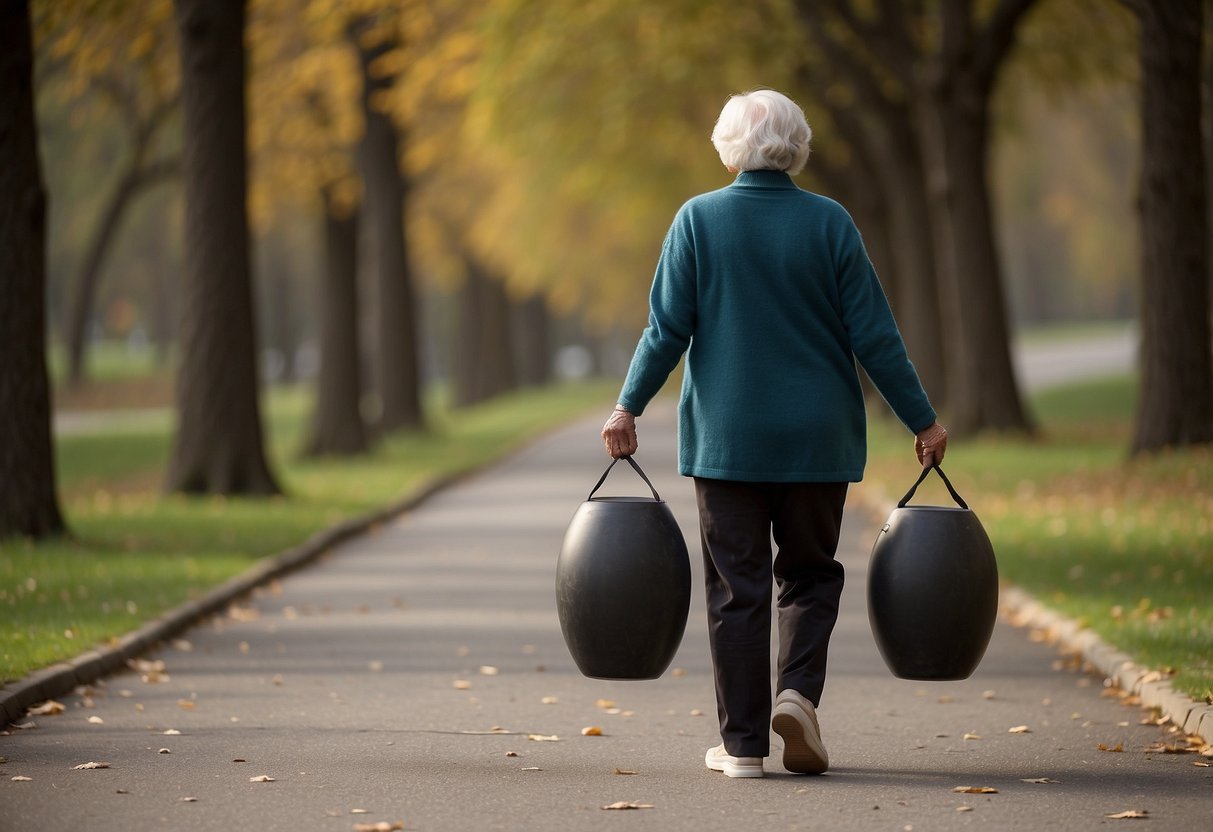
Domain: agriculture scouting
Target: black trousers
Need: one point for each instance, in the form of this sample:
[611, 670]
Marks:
[737, 521]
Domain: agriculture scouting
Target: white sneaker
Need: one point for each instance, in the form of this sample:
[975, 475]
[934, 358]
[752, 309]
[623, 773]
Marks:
[717, 759]
[795, 719]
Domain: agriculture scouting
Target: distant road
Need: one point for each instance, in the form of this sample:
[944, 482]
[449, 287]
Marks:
[1052, 362]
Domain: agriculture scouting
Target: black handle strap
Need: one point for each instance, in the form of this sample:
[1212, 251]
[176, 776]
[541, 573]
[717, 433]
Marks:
[923, 476]
[631, 462]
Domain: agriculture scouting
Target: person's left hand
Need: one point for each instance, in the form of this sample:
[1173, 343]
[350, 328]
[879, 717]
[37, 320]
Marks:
[619, 433]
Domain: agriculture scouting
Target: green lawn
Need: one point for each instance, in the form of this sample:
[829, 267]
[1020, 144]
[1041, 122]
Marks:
[1125, 546]
[136, 553]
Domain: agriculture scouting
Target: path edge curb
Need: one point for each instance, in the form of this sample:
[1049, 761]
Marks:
[64, 677]
[1020, 608]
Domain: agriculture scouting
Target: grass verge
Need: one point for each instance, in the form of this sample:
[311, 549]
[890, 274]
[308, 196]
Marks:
[1124, 546]
[136, 553]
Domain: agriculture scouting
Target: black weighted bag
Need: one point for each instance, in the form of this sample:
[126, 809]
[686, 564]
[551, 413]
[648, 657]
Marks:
[623, 585]
[932, 589]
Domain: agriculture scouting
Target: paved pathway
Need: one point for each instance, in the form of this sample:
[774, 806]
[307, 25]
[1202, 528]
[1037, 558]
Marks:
[398, 679]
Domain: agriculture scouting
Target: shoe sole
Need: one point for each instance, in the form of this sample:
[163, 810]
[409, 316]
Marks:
[803, 753]
[731, 770]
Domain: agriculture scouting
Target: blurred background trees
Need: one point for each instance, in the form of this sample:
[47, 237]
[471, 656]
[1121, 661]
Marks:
[470, 196]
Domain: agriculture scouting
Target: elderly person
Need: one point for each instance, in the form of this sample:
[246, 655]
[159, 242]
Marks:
[768, 290]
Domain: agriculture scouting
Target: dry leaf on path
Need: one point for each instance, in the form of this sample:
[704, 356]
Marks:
[96, 720]
[489, 670]
[543, 738]
[85, 766]
[48, 708]
[605, 704]
[20, 778]
[172, 732]
[624, 771]
[189, 800]
[164, 751]
[186, 704]
[591, 731]
[261, 778]
[626, 805]
[381, 826]
[972, 736]
[462, 684]
[511, 753]
[1129, 813]
[964, 808]
[1119, 747]
[532, 768]
[1019, 729]
[548, 700]
[975, 790]
[1039, 780]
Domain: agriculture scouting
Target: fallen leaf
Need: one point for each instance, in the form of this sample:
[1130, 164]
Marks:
[624, 771]
[678, 673]
[48, 708]
[189, 800]
[625, 805]
[972, 736]
[1040, 780]
[532, 768]
[164, 751]
[975, 790]
[987, 694]
[489, 670]
[548, 700]
[381, 826]
[964, 808]
[86, 766]
[186, 704]
[1129, 813]
[591, 731]
[605, 704]
[121, 791]
[182, 645]
[96, 720]
[21, 779]
[1120, 746]
[172, 732]
[511, 753]
[543, 738]
[360, 811]
[1020, 729]
[261, 778]
[696, 712]
[1201, 763]
[946, 700]
[1169, 748]
[239, 760]
[462, 684]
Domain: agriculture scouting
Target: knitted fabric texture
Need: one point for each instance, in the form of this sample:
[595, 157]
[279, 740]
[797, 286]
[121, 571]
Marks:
[769, 291]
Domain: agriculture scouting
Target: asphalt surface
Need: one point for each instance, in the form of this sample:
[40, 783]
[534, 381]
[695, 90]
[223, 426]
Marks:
[417, 675]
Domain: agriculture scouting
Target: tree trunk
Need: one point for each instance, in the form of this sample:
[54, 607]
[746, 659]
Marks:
[1176, 401]
[484, 365]
[28, 502]
[533, 340]
[135, 179]
[218, 447]
[337, 426]
[983, 392]
[398, 361]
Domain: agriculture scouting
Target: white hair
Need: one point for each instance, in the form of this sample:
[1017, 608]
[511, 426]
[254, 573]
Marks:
[762, 130]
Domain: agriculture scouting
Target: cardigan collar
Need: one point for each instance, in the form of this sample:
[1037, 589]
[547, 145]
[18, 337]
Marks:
[764, 179]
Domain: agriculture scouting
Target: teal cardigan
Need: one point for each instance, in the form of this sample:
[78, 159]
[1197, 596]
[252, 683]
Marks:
[769, 291]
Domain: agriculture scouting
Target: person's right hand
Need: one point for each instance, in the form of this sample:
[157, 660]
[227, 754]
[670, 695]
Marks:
[619, 433]
[930, 444]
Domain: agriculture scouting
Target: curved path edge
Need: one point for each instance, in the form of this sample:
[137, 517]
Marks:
[86, 668]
